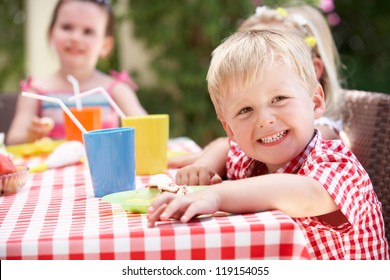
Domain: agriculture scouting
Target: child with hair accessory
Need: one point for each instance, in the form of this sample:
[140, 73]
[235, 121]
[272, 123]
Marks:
[81, 31]
[309, 23]
[306, 22]
[266, 94]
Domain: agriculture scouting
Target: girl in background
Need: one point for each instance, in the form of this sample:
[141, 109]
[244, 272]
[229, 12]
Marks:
[81, 32]
[309, 23]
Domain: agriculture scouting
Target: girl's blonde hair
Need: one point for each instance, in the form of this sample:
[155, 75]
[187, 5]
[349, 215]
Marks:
[307, 22]
[241, 59]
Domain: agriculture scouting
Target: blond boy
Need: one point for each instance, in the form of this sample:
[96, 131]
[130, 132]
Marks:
[266, 95]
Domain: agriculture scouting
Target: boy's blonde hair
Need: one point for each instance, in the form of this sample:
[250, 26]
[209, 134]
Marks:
[242, 58]
[306, 21]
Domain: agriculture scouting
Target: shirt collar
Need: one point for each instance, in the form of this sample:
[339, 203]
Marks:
[256, 168]
[295, 164]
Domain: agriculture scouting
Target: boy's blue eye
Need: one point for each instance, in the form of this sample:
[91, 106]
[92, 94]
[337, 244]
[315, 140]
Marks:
[278, 98]
[245, 110]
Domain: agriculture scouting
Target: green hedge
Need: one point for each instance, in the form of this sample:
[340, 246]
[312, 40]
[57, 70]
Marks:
[183, 34]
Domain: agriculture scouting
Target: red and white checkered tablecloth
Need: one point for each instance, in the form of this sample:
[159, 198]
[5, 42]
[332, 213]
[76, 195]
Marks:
[56, 216]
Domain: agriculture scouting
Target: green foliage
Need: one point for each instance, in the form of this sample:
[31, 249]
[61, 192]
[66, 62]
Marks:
[362, 38]
[183, 35]
[12, 18]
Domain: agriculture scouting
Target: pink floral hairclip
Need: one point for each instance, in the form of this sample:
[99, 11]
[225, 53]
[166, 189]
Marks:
[282, 12]
[305, 26]
[261, 9]
[328, 7]
[300, 20]
[310, 41]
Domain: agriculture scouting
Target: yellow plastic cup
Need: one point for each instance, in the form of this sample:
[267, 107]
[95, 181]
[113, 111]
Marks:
[151, 142]
[89, 117]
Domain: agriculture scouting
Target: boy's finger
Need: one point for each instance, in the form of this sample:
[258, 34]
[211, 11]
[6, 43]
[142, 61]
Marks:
[163, 198]
[179, 178]
[172, 209]
[216, 179]
[154, 216]
[206, 177]
[189, 213]
[158, 206]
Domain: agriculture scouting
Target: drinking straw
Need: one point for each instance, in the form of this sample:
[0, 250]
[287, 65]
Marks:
[59, 102]
[76, 90]
[106, 95]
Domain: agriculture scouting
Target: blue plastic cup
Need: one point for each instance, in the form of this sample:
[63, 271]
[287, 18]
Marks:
[111, 159]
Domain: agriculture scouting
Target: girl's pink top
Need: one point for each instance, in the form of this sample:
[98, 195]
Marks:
[52, 110]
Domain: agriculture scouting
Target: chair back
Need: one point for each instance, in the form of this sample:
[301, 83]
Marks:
[366, 121]
[7, 110]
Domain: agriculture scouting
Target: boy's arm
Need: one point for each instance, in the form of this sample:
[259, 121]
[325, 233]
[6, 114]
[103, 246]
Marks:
[297, 196]
[215, 155]
[188, 159]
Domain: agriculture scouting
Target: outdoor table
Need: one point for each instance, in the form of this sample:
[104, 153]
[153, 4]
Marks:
[56, 216]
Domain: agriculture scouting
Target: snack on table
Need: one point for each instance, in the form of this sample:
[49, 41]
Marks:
[165, 184]
[6, 165]
[12, 178]
[47, 122]
[139, 200]
[70, 152]
[43, 146]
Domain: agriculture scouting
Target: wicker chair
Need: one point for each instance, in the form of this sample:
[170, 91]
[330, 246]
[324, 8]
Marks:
[366, 120]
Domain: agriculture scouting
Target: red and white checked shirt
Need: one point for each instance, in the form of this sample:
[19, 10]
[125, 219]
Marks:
[341, 174]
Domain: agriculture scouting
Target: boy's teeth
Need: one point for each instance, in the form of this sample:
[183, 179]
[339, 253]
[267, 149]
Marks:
[273, 138]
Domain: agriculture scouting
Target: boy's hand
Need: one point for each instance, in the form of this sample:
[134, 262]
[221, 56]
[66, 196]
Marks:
[194, 175]
[168, 205]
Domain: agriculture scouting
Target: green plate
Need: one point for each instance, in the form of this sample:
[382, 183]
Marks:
[138, 201]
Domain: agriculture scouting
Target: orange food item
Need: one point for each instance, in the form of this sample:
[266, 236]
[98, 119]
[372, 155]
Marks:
[6, 165]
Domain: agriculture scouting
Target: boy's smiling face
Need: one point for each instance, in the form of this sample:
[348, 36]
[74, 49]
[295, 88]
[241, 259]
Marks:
[273, 120]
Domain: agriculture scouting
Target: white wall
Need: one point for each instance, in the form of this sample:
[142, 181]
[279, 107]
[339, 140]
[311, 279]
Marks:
[133, 55]
[41, 58]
